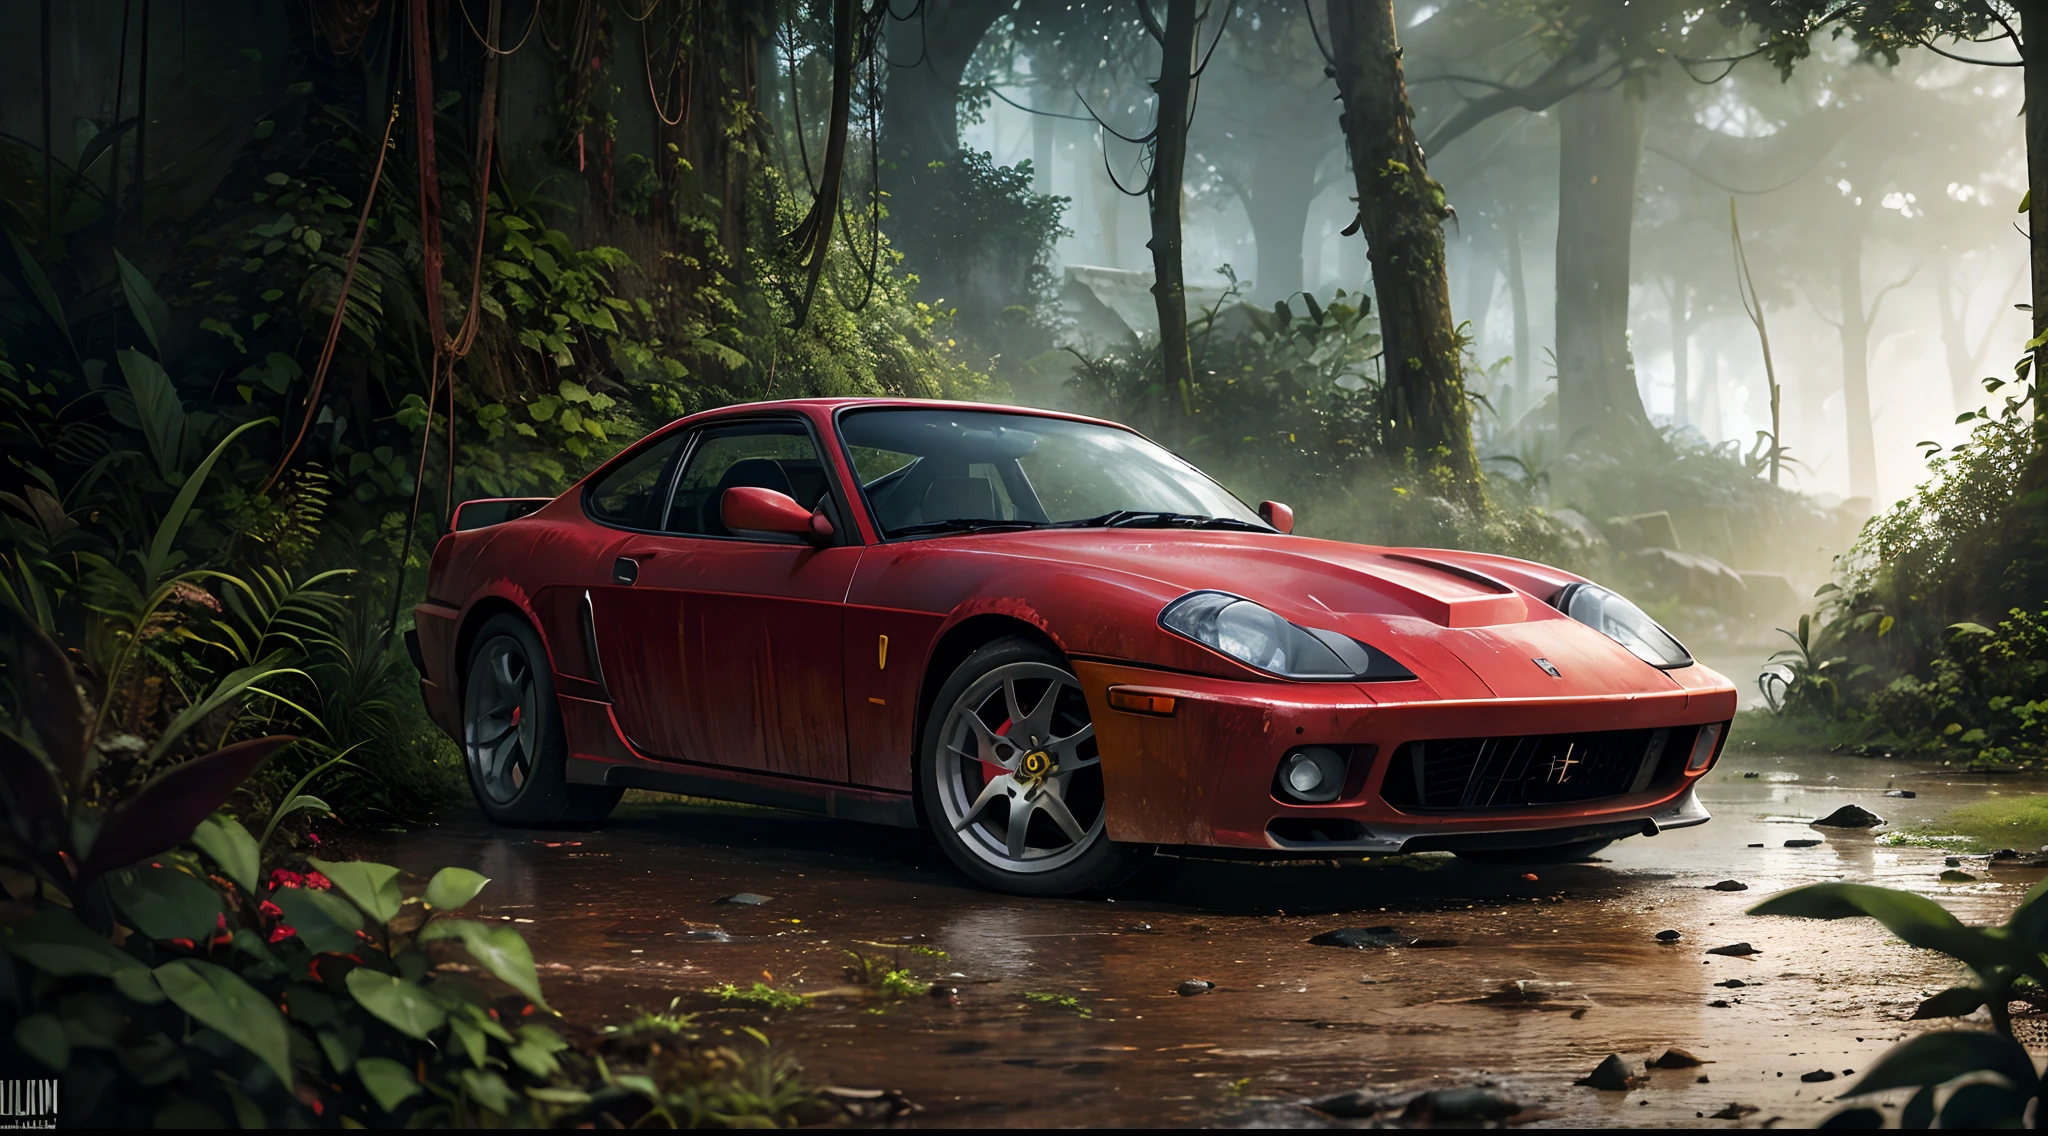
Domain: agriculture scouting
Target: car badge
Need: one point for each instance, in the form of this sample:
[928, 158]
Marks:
[1549, 668]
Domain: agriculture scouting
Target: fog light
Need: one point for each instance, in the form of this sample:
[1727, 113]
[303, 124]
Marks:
[1314, 775]
[1703, 747]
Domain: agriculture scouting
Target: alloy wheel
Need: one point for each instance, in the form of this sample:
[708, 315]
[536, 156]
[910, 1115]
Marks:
[500, 733]
[1020, 778]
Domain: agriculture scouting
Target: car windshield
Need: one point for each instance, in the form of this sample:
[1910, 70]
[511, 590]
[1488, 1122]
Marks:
[933, 470]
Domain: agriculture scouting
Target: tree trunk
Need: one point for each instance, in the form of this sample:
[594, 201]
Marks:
[2034, 14]
[921, 109]
[1600, 146]
[1961, 384]
[1041, 154]
[1281, 193]
[1681, 353]
[1710, 394]
[1169, 155]
[1856, 367]
[1401, 211]
[1518, 301]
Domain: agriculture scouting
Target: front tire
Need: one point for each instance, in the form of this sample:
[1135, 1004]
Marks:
[1011, 779]
[512, 740]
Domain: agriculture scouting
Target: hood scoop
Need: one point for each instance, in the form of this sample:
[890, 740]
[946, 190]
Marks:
[1449, 595]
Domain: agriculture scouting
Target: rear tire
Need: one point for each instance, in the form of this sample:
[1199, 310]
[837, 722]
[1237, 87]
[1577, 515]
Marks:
[513, 746]
[1574, 853]
[1011, 780]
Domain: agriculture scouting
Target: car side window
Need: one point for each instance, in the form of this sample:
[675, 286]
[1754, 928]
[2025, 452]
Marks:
[626, 494]
[767, 455]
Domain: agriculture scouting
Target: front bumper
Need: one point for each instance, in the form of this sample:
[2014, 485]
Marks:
[1203, 776]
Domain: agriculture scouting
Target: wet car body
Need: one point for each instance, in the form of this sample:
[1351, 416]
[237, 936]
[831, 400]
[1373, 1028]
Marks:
[803, 676]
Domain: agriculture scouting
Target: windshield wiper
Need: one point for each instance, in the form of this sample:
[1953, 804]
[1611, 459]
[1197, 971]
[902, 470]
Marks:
[964, 525]
[1158, 519]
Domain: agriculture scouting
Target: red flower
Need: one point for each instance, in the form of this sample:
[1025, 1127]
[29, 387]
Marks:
[270, 909]
[185, 943]
[220, 920]
[316, 881]
[281, 878]
[313, 838]
[280, 933]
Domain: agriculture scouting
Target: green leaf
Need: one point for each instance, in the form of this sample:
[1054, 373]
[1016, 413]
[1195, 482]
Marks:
[372, 887]
[41, 1036]
[400, 1004]
[1955, 1002]
[143, 302]
[390, 1084]
[501, 950]
[138, 985]
[1942, 1056]
[488, 1089]
[1915, 918]
[536, 1051]
[40, 285]
[231, 847]
[1980, 1106]
[217, 998]
[54, 941]
[229, 689]
[470, 1038]
[164, 903]
[160, 545]
[326, 923]
[341, 1046]
[160, 410]
[453, 888]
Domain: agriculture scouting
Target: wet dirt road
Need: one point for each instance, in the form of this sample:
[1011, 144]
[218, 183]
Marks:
[1531, 985]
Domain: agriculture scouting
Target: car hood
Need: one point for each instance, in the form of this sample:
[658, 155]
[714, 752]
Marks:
[1419, 605]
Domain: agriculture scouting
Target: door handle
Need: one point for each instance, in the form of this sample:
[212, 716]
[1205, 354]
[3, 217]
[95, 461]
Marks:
[625, 570]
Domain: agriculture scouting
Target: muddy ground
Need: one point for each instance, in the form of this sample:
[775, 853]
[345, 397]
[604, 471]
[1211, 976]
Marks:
[1067, 1012]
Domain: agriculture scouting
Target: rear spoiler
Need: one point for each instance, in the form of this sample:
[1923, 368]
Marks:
[484, 512]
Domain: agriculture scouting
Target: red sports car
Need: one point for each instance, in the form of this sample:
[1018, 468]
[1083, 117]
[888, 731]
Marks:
[1048, 640]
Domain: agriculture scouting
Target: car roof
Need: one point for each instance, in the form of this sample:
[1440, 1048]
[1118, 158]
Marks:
[833, 406]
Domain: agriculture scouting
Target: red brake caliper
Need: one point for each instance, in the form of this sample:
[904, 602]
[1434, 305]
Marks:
[515, 714]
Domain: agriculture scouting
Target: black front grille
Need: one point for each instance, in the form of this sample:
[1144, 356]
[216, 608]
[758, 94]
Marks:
[1467, 774]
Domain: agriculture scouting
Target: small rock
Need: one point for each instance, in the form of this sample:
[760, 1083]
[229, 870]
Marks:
[1902, 794]
[1734, 950]
[943, 993]
[1952, 876]
[1719, 1003]
[1733, 1112]
[1361, 938]
[706, 935]
[1756, 846]
[1752, 775]
[1668, 936]
[1530, 876]
[1676, 1058]
[1733, 984]
[2006, 854]
[1700, 1080]
[1141, 928]
[1728, 885]
[1462, 1105]
[1954, 861]
[1194, 986]
[745, 899]
[1817, 1076]
[1803, 843]
[1610, 1076]
[1850, 816]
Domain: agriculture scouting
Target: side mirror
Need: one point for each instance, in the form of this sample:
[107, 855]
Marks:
[763, 513]
[1279, 516]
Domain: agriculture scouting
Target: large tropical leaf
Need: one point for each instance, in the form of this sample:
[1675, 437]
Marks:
[165, 540]
[501, 950]
[452, 888]
[230, 845]
[372, 887]
[40, 285]
[1942, 1056]
[170, 805]
[218, 999]
[390, 1083]
[164, 903]
[401, 1004]
[229, 689]
[54, 941]
[159, 409]
[325, 923]
[148, 308]
[1914, 918]
[49, 695]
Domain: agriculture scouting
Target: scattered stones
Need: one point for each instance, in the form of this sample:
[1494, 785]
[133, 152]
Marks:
[1719, 1003]
[1358, 1104]
[1804, 843]
[2005, 854]
[1668, 936]
[1194, 986]
[944, 993]
[870, 1104]
[1676, 1058]
[1733, 984]
[745, 899]
[1850, 816]
[1734, 950]
[1951, 876]
[1611, 1076]
[1817, 1076]
[1752, 775]
[1733, 1112]
[1902, 794]
[1728, 885]
[1369, 938]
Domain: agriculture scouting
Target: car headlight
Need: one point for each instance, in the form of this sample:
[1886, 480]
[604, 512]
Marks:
[1249, 633]
[1625, 623]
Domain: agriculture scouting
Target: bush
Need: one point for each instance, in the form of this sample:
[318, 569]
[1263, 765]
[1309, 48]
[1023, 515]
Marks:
[1985, 696]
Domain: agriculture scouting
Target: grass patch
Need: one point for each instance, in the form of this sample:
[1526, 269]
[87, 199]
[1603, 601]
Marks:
[1065, 1002]
[2003, 822]
[1762, 731]
[761, 994]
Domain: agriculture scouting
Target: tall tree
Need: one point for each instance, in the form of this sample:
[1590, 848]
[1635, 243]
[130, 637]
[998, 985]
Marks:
[1401, 211]
[1602, 146]
[1169, 146]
